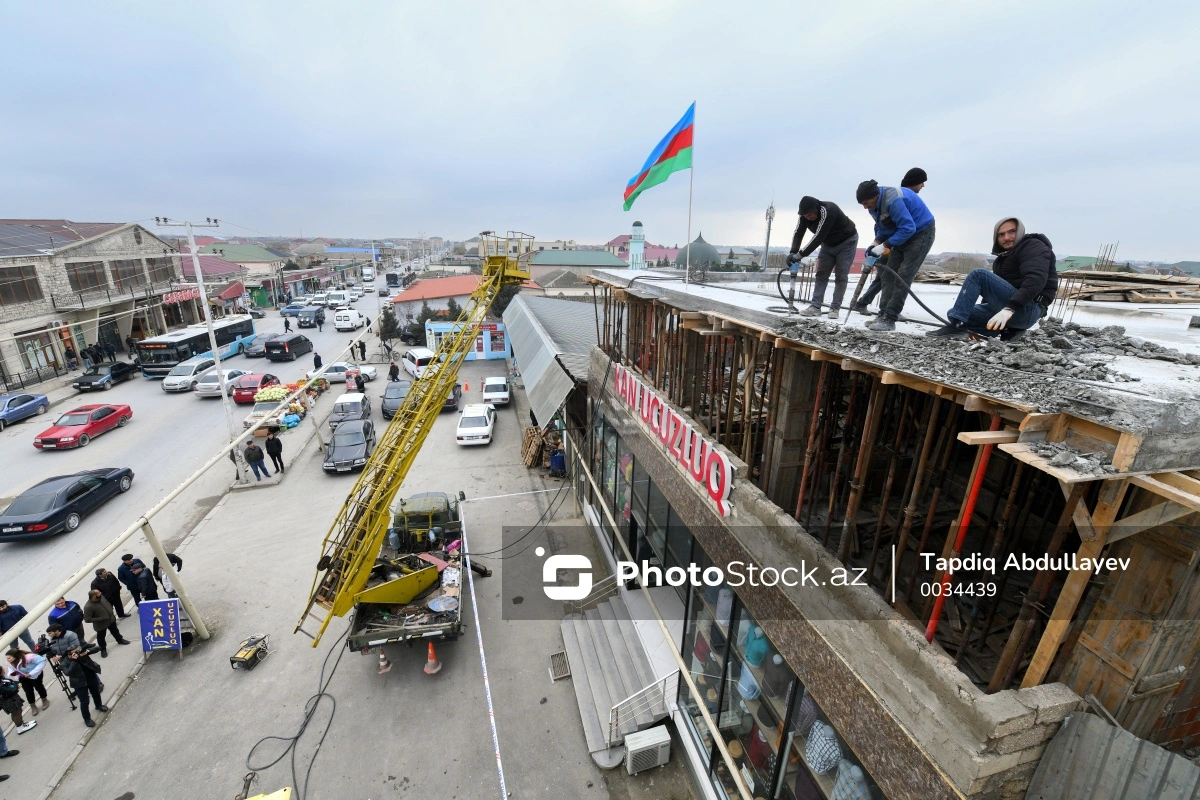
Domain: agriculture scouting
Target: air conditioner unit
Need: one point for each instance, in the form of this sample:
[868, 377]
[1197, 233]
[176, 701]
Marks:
[646, 749]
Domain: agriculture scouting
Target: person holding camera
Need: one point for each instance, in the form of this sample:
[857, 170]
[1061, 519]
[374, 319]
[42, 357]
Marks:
[77, 665]
[99, 612]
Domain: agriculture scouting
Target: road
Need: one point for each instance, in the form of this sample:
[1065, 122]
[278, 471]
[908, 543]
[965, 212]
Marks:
[168, 438]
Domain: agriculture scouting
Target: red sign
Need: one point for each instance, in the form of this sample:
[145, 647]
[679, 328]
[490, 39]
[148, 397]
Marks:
[172, 298]
[699, 458]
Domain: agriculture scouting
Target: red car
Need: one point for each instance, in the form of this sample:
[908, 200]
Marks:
[249, 385]
[78, 427]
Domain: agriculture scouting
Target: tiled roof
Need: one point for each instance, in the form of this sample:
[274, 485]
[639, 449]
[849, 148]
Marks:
[436, 288]
[241, 253]
[209, 265]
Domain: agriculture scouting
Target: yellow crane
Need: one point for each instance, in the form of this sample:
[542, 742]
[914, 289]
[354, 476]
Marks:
[350, 548]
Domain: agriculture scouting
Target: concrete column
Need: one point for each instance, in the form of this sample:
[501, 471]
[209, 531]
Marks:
[789, 434]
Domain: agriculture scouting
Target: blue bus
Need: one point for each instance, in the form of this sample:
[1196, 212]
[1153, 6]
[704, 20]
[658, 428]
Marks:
[160, 354]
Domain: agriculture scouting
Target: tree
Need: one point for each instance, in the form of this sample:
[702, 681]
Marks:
[291, 265]
[389, 326]
[503, 298]
[460, 250]
[453, 309]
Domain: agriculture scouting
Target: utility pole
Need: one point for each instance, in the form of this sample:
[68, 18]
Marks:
[767, 247]
[238, 459]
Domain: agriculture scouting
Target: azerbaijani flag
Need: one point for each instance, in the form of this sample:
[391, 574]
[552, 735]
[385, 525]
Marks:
[673, 153]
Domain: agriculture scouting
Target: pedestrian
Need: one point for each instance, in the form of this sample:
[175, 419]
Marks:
[254, 457]
[29, 668]
[1015, 293]
[72, 358]
[287, 325]
[86, 354]
[97, 354]
[147, 588]
[110, 587]
[165, 579]
[68, 614]
[6, 753]
[99, 612]
[317, 362]
[130, 345]
[837, 237]
[275, 451]
[320, 320]
[360, 384]
[9, 617]
[10, 699]
[914, 179]
[126, 576]
[362, 349]
[111, 351]
[904, 225]
[393, 372]
[80, 670]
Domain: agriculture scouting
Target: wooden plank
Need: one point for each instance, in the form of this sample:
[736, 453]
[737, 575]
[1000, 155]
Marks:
[1039, 422]
[1182, 482]
[852, 365]
[1151, 484]
[1112, 659]
[1058, 433]
[693, 315]
[988, 437]
[892, 378]
[1127, 450]
[789, 344]
[1021, 452]
[1089, 428]
[1161, 514]
[822, 355]
[974, 402]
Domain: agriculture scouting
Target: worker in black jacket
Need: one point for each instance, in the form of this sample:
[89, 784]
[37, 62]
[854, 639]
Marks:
[1013, 295]
[145, 581]
[835, 234]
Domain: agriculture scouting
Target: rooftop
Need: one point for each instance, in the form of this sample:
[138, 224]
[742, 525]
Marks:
[39, 237]
[435, 288]
[241, 253]
[577, 258]
[209, 266]
[563, 321]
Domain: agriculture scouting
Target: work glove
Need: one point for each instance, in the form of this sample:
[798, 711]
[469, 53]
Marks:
[877, 249]
[793, 259]
[1001, 319]
[869, 263]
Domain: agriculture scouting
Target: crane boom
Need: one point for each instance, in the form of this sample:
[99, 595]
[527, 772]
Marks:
[350, 548]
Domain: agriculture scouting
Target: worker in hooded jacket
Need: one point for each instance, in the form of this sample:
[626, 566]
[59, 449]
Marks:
[1013, 295]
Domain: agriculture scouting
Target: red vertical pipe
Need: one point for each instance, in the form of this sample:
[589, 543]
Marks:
[963, 524]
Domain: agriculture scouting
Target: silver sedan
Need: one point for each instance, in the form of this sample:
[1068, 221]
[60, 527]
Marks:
[209, 385]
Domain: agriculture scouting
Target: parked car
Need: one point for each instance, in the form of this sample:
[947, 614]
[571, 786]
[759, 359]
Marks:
[256, 312]
[336, 372]
[495, 391]
[338, 297]
[350, 446]
[451, 401]
[355, 295]
[258, 349]
[317, 299]
[185, 376]
[393, 397]
[16, 407]
[288, 346]
[79, 426]
[209, 384]
[476, 424]
[292, 309]
[352, 405]
[348, 319]
[104, 376]
[416, 360]
[265, 411]
[245, 387]
[59, 504]
[311, 316]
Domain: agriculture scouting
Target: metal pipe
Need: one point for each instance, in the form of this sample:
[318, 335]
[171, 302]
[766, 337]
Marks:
[887, 486]
[914, 491]
[176, 583]
[862, 463]
[943, 477]
[812, 437]
[837, 464]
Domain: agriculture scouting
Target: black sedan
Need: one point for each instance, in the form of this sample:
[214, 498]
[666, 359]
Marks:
[105, 376]
[259, 348]
[59, 504]
[351, 446]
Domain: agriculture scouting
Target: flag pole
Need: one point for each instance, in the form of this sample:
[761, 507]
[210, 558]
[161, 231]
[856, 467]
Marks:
[687, 269]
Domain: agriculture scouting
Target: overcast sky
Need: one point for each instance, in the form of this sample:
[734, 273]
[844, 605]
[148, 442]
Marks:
[388, 118]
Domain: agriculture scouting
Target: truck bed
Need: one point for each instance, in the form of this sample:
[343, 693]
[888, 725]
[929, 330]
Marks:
[377, 624]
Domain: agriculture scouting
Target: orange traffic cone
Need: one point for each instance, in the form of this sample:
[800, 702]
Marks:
[385, 666]
[466, 386]
[432, 665]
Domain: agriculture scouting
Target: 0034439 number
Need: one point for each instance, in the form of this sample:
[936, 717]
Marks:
[977, 589]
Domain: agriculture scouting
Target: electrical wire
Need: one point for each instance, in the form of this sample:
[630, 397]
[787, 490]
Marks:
[310, 708]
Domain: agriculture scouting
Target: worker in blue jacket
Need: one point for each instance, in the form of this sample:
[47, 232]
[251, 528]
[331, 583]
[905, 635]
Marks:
[69, 615]
[905, 226]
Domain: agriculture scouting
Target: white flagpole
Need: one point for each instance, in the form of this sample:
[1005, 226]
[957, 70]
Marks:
[687, 270]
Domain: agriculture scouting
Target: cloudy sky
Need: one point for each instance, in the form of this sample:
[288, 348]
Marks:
[390, 118]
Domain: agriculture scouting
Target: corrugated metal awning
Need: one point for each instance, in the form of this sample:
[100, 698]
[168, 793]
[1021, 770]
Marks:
[1090, 759]
[547, 384]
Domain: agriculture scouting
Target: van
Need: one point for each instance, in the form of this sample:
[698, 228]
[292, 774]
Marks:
[347, 319]
[317, 299]
[309, 316]
[337, 298]
[416, 360]
[288, 347]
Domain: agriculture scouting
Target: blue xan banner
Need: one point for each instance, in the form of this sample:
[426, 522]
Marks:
[160, 624]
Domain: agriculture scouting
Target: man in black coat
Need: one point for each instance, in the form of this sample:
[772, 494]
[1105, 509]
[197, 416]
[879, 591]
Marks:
[1013, 295]
[108, 585]
[125, 575]
[145, 581]
[837, 237]
[274, 449]
[80, 670]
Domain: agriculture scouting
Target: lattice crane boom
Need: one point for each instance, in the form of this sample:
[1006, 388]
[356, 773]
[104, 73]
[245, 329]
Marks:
[350, 548]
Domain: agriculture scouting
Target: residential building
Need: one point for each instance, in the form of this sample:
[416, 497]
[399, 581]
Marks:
[491, 343]
[1188, 268]
[581, 262]
[66, 283]
[557, 244]
[653, 254]
[436, 292]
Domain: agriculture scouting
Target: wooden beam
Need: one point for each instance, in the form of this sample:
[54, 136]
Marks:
[892, 378]
[1099, 432]
[974, 402]
[988, 437]
[1039, 422]
[1180, 481]
[1058, 433]
[1127, 450]
[822, 355]
[1164, 513]
[789, 344]
[1152, 483]
[851, 365]
[1021, 452]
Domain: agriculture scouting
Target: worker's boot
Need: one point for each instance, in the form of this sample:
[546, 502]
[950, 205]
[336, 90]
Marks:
[811, 311]
[860, 308]
[834, 313]
[881, 324]
[955, 330]
[1011, 334]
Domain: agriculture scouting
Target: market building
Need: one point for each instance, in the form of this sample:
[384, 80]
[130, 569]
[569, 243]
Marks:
[723, 431]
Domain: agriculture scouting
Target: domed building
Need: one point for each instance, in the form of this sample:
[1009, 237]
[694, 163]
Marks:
[703, 254]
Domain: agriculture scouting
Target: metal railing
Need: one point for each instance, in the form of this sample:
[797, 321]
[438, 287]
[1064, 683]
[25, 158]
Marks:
[90, 298]
[651, 700]
[600, 592]
[31, 377]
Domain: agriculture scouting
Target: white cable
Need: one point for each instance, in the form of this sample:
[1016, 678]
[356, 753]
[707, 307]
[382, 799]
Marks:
[514, 494]
[487, 687]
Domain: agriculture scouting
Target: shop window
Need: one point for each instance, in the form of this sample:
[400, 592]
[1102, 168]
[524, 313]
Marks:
[657, 511]
[19, 285]
[817, 762]
[641, 486]
[679, 548]
[87, 275]
[705, 640]
[608, 474]
[624, 492]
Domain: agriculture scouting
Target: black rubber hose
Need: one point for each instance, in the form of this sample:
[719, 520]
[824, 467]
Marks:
[911, 292]
[779, 284]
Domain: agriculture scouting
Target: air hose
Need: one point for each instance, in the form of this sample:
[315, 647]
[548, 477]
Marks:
[934, 314]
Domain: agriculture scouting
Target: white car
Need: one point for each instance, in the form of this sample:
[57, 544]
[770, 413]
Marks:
[336, 372]
[210, 386]
[317, 300]
[495, 391]
[475, 424]
[184, 376]
[355, 294]
[263, 411]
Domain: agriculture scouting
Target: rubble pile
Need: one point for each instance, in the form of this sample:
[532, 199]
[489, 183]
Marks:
[1060, 455]
[1075, 339]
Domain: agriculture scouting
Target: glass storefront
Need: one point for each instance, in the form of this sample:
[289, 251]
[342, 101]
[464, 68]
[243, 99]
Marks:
[782, 742]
